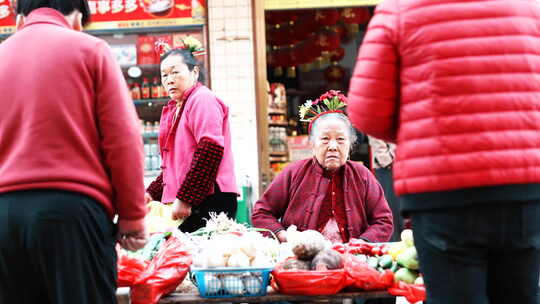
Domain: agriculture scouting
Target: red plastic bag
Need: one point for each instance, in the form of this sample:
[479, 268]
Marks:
[164, 273]
[307, 282]
[129, 270]
[341, 248]
[360, 275]
[356, 246]
[412, 292]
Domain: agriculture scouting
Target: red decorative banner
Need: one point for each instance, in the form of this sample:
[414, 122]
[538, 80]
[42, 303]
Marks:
[128, 14]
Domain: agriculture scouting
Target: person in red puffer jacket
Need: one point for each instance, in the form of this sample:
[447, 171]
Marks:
[456, 84]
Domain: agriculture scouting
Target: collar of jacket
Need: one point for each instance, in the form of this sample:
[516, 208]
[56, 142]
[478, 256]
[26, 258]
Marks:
[172, 104]
[346, 171]
[186, 94]
[46, 15]
[326, 173]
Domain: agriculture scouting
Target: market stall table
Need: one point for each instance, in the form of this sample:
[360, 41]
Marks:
[272, 296]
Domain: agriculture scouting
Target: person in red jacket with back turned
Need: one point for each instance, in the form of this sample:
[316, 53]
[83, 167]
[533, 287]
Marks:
[71, 159]
[456, 84]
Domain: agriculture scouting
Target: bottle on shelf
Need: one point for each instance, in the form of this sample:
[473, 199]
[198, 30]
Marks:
[146, 149]
[161, 90]
[155, 163]
[147, 163]
[147, 127]
[271, 140]
[145, 89]
[135, 91]
[155, 89]
[154, 149]
[156, 127]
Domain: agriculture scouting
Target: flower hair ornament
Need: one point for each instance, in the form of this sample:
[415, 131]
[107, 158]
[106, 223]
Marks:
[189, 43]
[329, 102]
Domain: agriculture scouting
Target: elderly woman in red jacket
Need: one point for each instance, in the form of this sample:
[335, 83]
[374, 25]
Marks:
[328, 193]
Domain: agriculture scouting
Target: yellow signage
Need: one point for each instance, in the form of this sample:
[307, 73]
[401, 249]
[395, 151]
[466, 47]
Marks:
[129, 24]
[292, 4]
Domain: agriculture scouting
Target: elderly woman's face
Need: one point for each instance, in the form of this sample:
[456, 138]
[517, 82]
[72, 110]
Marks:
[331, 143]
[176, 76]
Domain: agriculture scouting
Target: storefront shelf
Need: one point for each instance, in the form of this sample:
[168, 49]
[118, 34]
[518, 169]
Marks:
[277, 112]
[279, 153]
[142, 66]
[150, 101]
[278, 124]
[150, 135]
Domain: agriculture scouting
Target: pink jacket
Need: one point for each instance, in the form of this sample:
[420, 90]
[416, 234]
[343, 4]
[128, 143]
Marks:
[67, 121]
[204, 116]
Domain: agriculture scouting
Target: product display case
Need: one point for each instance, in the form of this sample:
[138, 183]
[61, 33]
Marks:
[278, 128]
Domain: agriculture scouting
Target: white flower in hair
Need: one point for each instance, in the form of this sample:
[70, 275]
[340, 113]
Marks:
[304, 109]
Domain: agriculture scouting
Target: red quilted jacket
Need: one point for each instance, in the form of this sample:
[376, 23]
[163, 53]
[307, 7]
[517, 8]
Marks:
[456, 84]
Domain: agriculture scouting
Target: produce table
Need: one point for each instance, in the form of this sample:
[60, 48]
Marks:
[272, 296]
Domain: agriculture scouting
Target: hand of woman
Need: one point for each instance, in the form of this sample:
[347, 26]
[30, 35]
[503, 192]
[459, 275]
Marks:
[147, 198]
[282, 236]
[132, 234]
[180, 210]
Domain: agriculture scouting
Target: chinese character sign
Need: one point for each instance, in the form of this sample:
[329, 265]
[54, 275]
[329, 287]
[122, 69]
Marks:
[107, 14]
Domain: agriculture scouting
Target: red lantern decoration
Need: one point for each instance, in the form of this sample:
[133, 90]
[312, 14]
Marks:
[337, 54]
[310, 49]
[304, 28]
[357, 15]
[339, 29]
[328, 40]
[327, 17]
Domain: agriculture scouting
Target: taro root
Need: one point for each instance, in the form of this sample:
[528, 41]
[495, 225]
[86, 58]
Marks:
[327, 260]
[309, 243]
[296, 264]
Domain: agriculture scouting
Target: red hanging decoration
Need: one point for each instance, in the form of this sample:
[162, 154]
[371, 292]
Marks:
[327, 17]
[337, 54]
[357, 15]
[308, 51]
[328, 40]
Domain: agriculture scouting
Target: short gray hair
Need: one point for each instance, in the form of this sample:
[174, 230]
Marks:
[333, 116]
